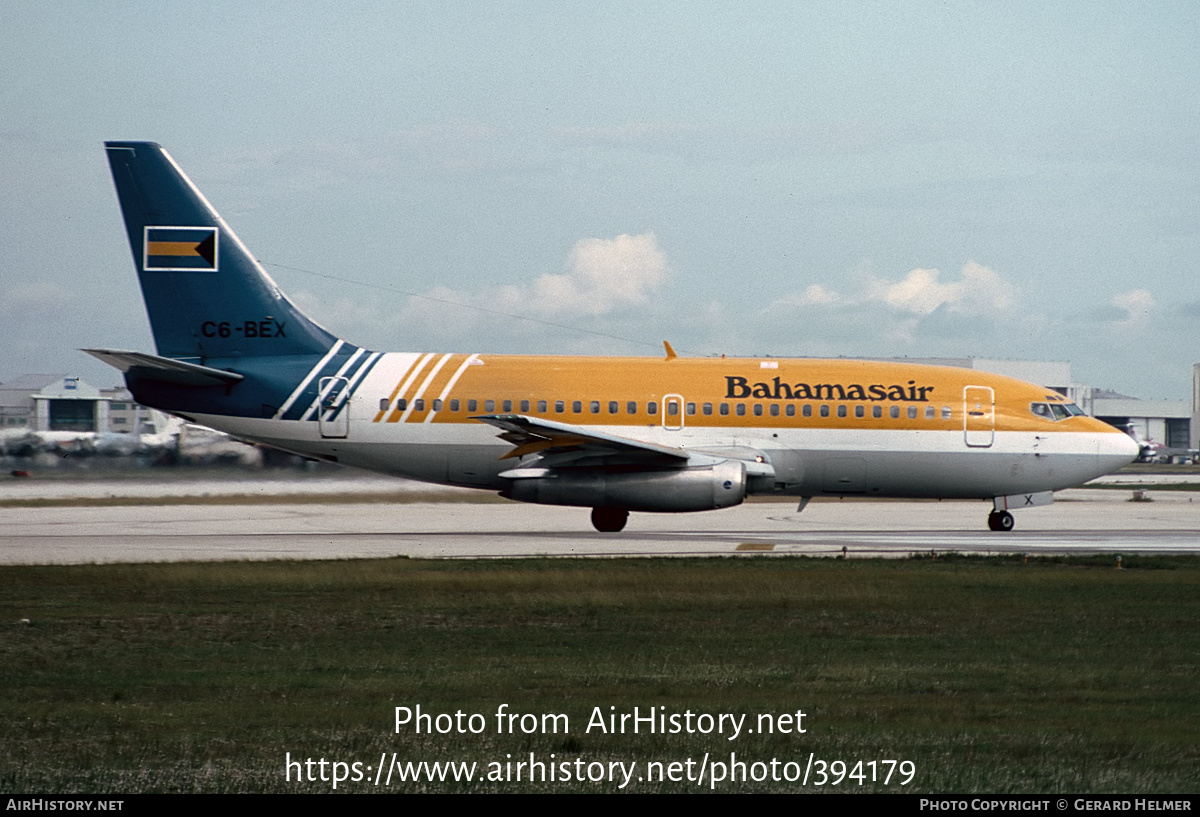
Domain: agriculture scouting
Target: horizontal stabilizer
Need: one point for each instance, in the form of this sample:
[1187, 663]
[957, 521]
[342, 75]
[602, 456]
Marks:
[165, 369]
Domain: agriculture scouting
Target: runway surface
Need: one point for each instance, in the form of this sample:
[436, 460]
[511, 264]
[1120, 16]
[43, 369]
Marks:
[1081, 521]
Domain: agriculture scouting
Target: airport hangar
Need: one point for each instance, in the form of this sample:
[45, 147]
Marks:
[53, 402]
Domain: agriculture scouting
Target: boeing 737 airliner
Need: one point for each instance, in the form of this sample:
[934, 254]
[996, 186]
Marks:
[612, 434]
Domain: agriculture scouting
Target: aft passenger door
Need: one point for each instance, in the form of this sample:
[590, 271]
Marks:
[333, 411]
[979, 416]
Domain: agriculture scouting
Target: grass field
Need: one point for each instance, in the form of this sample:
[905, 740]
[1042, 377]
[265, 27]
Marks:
[990, 675]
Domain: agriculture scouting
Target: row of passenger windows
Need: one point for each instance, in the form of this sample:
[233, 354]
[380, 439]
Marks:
[672, 408]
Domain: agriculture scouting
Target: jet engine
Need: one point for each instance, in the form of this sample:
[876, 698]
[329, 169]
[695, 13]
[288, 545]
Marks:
[698, 488]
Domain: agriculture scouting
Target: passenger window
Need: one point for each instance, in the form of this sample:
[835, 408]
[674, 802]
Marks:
[594, 406]
[912, 412]
[946, 412]
[437, 405]
[559, 406]
[672, 408]
[401, 404]
[724, 409]
[652, 407]
[774, 409]
[524, 406]
[706, 408]
[613, 407]
[489, 405]
[895, 412]
[631, 407]
[758, 409]
[419, 405]
[930, 412]
[807, 411]
[541, 406]
[577, 406]
[454, 404]
[384, 403]
[877, 411]
[859, 411]
[507, 406]
[824, 411]
[691, 409]
[740, 409]
[791, 410]
[841, 411]
[472, 405]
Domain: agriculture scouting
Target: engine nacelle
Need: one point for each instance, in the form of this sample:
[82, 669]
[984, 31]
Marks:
[700, 488]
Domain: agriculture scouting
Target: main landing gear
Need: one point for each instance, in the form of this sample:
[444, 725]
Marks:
[609, 520]
[1000, 520]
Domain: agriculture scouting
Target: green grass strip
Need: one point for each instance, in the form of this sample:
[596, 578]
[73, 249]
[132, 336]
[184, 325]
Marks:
[990, 675]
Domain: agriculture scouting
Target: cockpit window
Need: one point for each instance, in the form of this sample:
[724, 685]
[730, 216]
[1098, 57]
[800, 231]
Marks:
[1055, 411]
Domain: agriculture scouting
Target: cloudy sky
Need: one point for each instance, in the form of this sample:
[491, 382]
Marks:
[1013, 180]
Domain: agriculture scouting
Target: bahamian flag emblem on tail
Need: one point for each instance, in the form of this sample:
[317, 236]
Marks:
[180, 249]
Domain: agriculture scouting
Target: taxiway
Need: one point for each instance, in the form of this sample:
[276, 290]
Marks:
[1081, 521]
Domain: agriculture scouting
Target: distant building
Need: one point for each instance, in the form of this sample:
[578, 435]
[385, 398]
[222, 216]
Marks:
[127, 417]
[1195, 436]
[46, 402]
[1167, 422]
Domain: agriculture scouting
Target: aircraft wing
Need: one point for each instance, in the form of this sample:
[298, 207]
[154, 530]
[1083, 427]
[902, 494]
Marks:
[533, 435]
[559, 445]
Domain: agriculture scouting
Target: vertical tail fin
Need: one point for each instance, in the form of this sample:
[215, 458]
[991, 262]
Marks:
[206, 295]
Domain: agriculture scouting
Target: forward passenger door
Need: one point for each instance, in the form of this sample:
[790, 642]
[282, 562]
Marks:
[979, 416]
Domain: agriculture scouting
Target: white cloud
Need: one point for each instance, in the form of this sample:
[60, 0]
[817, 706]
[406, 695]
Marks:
[342, 312]
[814, 295]
[603, 275]
[603, 278]
[979, 290]
[1137, 304]
[918, 312]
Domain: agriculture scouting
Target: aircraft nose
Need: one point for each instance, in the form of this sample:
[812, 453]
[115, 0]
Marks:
[1117, 449]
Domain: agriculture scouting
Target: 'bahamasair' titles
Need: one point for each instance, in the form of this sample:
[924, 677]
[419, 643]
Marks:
[739, 388]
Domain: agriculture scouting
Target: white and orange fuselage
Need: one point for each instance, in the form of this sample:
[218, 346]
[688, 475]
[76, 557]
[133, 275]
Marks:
[614, 434]
[825, 426]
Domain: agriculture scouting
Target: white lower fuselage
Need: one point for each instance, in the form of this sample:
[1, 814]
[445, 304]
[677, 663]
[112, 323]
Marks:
[862, 456]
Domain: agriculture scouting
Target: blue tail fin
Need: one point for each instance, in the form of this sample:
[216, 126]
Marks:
[206, 295]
